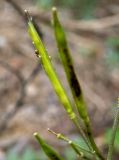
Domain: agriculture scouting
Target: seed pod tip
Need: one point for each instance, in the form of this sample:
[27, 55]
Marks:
[70, 142]
[35, 134]
[54, 9]
[28, 17]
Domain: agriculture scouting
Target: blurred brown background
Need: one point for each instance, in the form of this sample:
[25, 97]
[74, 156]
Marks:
[27, 100]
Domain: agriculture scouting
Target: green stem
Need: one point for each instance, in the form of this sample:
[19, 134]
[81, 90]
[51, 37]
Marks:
[114, 129]
[91, 139]
[82, 134]
[78, 149]
[81, 155]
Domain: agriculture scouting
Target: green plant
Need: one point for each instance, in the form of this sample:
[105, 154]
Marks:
[82, 120]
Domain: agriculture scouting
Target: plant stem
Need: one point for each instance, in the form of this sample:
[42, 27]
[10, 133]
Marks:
[91, 139]
[82, 134]
[114, 129]
[78, 149]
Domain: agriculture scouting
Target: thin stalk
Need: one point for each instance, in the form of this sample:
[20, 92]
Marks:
[81, 155]
[91, 139]
[114, 129]
[83, 134]
[64, 138]
[82, 152]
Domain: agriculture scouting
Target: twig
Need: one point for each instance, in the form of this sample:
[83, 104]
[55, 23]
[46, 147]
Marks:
[20, 100]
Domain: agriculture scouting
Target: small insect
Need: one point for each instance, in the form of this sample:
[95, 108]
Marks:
[37, 54]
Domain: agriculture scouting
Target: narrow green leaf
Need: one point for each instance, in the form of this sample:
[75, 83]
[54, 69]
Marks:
[50, 152]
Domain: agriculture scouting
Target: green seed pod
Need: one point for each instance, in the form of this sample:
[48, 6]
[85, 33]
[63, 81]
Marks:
[72, 78]
[50, 71]
[51, 153]
[68, 66]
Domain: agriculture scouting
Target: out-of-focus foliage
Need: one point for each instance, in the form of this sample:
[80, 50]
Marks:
[80, 8]
[107, 138]
[28, 154]
[31, 154]
[112, 56]
[45, 3]
[70, 154]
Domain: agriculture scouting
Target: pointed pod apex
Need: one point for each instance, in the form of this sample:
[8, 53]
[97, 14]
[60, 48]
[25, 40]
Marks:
[70, 142]
[54, 12]
[35, 134]
[26, 11]
[54, 9]
[28, 17]
[48, 129]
